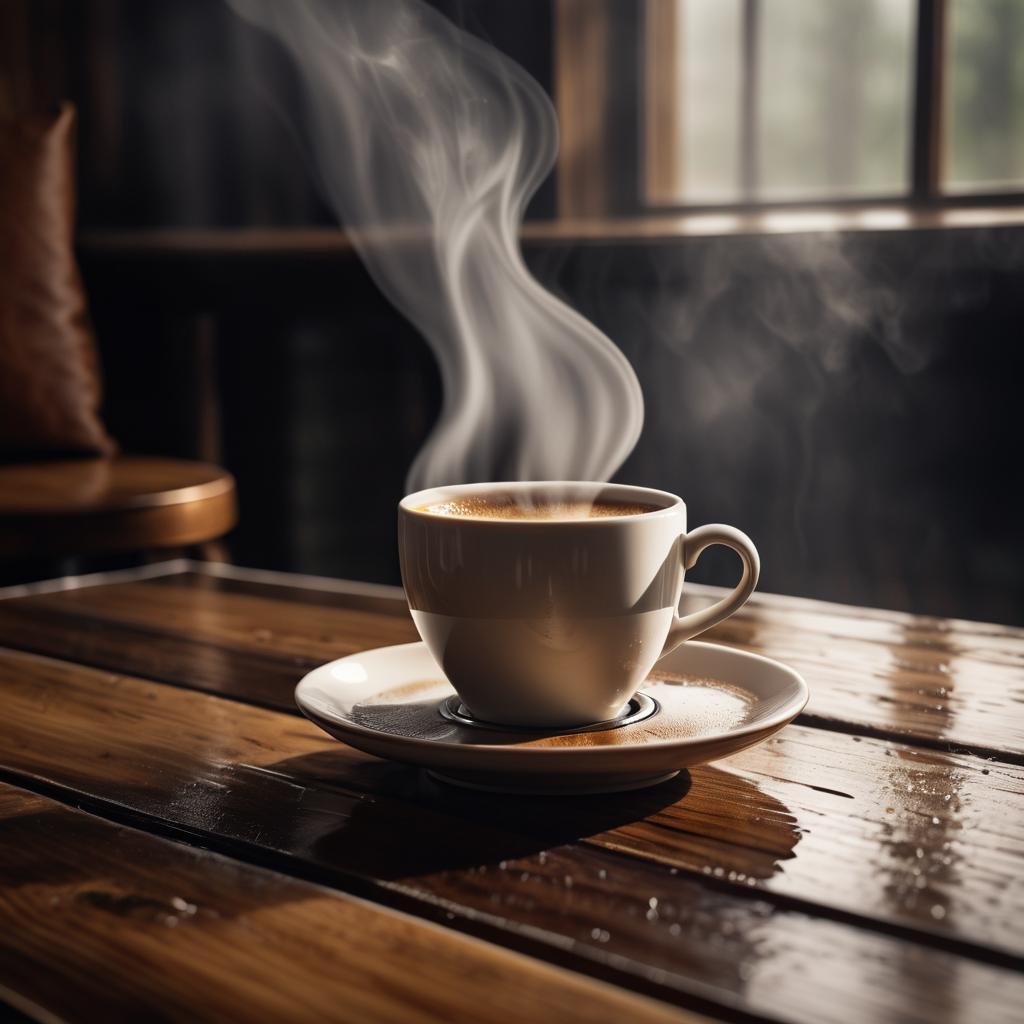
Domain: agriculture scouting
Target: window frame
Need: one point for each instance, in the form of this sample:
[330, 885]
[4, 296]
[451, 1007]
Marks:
[590, 186]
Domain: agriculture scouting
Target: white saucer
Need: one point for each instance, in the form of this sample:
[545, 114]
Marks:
[707, 702]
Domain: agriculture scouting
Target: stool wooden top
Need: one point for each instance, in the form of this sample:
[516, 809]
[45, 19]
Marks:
[82, 506]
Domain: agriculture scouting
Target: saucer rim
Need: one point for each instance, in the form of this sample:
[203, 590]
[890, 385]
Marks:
[772, 724]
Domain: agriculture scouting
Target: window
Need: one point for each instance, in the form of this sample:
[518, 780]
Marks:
[787, 99]
[751, 103]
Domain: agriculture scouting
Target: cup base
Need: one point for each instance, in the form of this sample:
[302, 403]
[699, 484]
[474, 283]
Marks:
[636, 709]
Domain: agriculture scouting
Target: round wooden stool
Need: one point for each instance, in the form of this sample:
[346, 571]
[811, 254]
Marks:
[125, 503]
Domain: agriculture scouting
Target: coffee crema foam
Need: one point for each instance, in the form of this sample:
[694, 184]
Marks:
[506, 508]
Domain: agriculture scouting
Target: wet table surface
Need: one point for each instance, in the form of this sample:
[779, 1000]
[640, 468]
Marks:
[178, 843]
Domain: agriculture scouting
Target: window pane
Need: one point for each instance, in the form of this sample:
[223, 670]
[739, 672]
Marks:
[834, 91]
[985, 137]
[831, 98]
[709, 48]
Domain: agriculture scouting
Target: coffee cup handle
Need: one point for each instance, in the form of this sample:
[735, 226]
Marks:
[692, 544]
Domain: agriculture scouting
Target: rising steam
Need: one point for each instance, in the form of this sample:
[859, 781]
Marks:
[430, 143]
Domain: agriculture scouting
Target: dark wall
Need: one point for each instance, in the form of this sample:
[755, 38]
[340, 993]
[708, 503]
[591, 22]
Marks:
[190, 117]
[850, 401]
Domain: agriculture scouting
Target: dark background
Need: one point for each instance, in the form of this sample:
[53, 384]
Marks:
[848, 399]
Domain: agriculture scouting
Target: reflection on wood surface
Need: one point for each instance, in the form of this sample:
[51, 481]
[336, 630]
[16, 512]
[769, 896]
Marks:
[182, 934]
[829, 874]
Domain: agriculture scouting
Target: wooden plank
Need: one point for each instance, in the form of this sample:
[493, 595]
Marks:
[947, 683]
[664, 93]
[136, 927]
[942, 683]
[243, 622]
[820, 872]
[233, 647]
[583, 45]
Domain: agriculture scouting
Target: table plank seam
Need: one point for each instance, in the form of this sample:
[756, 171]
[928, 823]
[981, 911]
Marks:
[995, 754]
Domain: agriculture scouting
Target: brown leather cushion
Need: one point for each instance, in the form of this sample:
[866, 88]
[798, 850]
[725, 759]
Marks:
[49, 374]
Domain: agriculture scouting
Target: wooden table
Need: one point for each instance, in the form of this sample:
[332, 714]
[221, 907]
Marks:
[177, 843]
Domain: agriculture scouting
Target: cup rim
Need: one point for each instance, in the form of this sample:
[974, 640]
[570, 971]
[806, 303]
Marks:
[411, 503]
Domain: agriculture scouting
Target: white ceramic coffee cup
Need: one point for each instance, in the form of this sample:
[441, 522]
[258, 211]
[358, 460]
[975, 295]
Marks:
[553, 623]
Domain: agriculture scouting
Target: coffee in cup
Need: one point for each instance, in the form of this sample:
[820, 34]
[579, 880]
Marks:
[506, 506]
